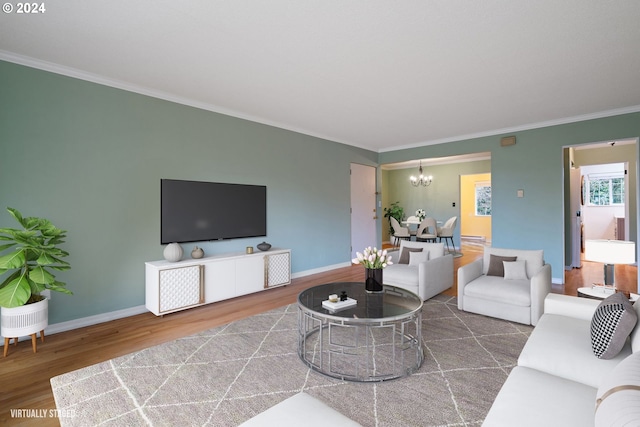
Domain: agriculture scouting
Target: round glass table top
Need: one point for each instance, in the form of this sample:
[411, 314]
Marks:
[392, 302]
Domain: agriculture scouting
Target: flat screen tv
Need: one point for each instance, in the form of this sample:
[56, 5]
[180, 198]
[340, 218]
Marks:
[194, 211]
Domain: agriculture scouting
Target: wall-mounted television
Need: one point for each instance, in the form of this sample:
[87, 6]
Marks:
[194, 211]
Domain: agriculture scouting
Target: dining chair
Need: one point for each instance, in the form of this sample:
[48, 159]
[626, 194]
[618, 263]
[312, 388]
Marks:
[399, 232]
[446, 232]
[427, 230]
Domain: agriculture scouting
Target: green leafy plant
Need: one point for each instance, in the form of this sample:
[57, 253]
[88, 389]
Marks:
[29, 256]
[396, 211]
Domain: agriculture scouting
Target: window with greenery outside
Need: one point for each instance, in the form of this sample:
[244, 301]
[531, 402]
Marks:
[483, 199]
[606, 191]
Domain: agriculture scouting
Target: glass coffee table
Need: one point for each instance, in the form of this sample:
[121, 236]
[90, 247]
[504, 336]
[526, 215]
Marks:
[378, 339]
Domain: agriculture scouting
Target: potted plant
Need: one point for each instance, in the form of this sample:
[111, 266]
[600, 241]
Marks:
[29, 254]
[396, 211]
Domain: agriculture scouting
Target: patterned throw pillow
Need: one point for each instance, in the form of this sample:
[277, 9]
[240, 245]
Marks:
[611, 324]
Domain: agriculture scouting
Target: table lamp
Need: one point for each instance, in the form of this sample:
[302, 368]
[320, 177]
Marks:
[610, 252]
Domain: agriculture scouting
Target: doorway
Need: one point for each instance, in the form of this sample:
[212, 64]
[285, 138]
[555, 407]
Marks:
[475, 208]
[363, 208]
[589, 169]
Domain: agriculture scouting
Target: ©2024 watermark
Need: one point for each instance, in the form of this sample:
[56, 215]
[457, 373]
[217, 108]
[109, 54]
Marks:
[42, 413]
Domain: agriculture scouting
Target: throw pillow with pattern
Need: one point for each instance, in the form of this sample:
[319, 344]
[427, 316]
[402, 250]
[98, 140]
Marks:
[611, 324]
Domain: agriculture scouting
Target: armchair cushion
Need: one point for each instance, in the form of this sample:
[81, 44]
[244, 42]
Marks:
[496, 266]
[515, 270]
[513, 292]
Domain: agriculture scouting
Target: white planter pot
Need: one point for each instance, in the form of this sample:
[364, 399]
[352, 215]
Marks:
[24, 320]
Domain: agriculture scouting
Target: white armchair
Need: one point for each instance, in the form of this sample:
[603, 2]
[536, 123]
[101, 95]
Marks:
[424, 269]
[516, 293]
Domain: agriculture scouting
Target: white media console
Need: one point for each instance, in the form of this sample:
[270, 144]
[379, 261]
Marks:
[174, 286]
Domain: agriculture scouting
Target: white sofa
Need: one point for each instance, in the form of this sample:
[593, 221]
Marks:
[558, 377]
[427, 277]
[518, 300]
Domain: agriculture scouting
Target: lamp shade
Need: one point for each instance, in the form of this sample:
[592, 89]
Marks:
[610, 251]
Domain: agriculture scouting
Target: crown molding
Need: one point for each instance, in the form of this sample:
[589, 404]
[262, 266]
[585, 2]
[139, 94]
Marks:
[555, 122]
[142, 90]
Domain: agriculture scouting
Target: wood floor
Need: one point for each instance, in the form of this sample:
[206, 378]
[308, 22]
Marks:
[24, 376]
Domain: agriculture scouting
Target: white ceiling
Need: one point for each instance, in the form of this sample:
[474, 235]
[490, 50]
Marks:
[377, 74]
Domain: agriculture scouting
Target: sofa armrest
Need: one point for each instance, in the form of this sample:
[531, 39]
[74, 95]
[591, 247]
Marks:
[466, 274]
[570, 306]
[436, 273]
[540, 288]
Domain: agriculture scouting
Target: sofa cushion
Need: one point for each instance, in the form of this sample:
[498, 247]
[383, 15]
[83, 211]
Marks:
[561, 346]
[515, 270]
[618, 397]
[531, 398]
[496, 268]
[611, 324]
[512, 292]
[404, 254]
[416, 258]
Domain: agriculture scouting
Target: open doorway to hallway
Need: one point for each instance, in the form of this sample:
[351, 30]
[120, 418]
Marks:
[600, 198]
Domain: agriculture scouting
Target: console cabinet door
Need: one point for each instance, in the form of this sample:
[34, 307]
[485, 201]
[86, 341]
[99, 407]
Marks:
[220, 280]
[249, 275]
[180, 288]
[278, 269]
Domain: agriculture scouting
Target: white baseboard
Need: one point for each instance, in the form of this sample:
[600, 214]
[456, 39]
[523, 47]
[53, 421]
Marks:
[90, 320]
[132, 311]
[319, 270]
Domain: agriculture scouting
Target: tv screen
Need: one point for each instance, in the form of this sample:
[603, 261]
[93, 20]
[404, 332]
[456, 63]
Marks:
[193, 211]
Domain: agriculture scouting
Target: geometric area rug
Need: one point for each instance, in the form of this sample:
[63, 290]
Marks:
[228, 374]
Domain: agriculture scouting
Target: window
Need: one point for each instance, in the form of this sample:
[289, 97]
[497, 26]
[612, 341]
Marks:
[605, 190]
[483, 198]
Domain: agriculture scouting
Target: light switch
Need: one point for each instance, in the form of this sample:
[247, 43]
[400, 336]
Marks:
[520, 193]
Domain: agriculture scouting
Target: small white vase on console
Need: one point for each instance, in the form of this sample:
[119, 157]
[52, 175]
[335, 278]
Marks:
[173, 252]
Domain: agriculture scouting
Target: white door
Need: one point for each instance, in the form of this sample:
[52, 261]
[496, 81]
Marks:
[363, 207]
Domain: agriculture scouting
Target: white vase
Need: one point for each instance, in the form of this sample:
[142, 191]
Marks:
[173, 252]
[24, 320]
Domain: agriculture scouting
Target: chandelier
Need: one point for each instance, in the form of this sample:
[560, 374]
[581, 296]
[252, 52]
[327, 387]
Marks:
[421, 179]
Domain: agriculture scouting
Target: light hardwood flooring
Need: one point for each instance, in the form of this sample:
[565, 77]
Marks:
[24, 376]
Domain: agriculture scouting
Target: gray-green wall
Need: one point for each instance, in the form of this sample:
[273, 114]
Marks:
[90, 158]
[534, 164]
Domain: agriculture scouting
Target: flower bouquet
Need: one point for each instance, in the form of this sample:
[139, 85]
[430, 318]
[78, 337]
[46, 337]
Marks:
[374, 260]
[420, 213]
